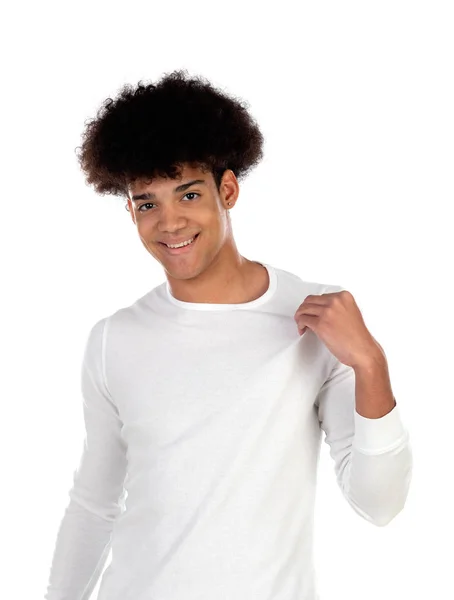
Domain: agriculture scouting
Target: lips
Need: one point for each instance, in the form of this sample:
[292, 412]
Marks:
[182, 250]
[174, 243]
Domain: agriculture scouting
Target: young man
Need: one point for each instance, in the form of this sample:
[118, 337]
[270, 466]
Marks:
[205, 400]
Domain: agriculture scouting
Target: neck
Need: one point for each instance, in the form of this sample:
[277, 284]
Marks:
[223, 282]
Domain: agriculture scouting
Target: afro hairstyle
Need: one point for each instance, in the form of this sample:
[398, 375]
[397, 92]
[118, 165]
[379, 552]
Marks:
[155, 129]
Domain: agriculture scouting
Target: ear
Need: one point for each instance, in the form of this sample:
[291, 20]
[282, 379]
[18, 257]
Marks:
[130, 208]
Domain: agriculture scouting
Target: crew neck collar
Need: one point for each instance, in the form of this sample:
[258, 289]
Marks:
[241, 306]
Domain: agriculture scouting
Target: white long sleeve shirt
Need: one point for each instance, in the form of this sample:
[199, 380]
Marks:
[203, 432]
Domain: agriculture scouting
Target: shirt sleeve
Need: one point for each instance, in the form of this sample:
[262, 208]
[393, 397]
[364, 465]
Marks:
[96, 497]
[372, 457]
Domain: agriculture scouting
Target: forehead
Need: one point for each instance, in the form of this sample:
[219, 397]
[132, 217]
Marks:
[187, 173]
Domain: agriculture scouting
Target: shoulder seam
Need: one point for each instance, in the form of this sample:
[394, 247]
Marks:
[103, 357]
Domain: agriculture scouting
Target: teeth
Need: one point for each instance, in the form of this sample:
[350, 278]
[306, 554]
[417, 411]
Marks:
[182, 244]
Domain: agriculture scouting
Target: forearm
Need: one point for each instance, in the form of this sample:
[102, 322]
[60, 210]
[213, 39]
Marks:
[380, 467]
[373, 394]
[81, 550]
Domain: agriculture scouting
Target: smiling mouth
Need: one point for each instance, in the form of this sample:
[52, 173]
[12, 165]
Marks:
[175, 250]
[193, 240]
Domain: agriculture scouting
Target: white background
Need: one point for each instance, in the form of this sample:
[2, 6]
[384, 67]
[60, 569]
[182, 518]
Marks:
[355, 100]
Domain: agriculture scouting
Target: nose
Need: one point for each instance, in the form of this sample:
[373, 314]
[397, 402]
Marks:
[170, 219]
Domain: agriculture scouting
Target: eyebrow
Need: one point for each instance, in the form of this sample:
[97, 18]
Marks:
[179, 188]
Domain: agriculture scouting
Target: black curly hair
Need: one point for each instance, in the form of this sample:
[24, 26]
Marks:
[155, 129]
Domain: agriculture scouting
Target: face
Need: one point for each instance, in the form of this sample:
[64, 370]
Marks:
[170, 215]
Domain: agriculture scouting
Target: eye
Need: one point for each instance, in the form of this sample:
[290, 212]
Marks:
[151, 204]
[191, 194]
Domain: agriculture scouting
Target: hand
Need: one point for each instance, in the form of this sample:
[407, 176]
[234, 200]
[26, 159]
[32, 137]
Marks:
[337, 321]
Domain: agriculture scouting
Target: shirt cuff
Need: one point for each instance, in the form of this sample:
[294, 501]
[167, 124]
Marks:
[376, 436]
